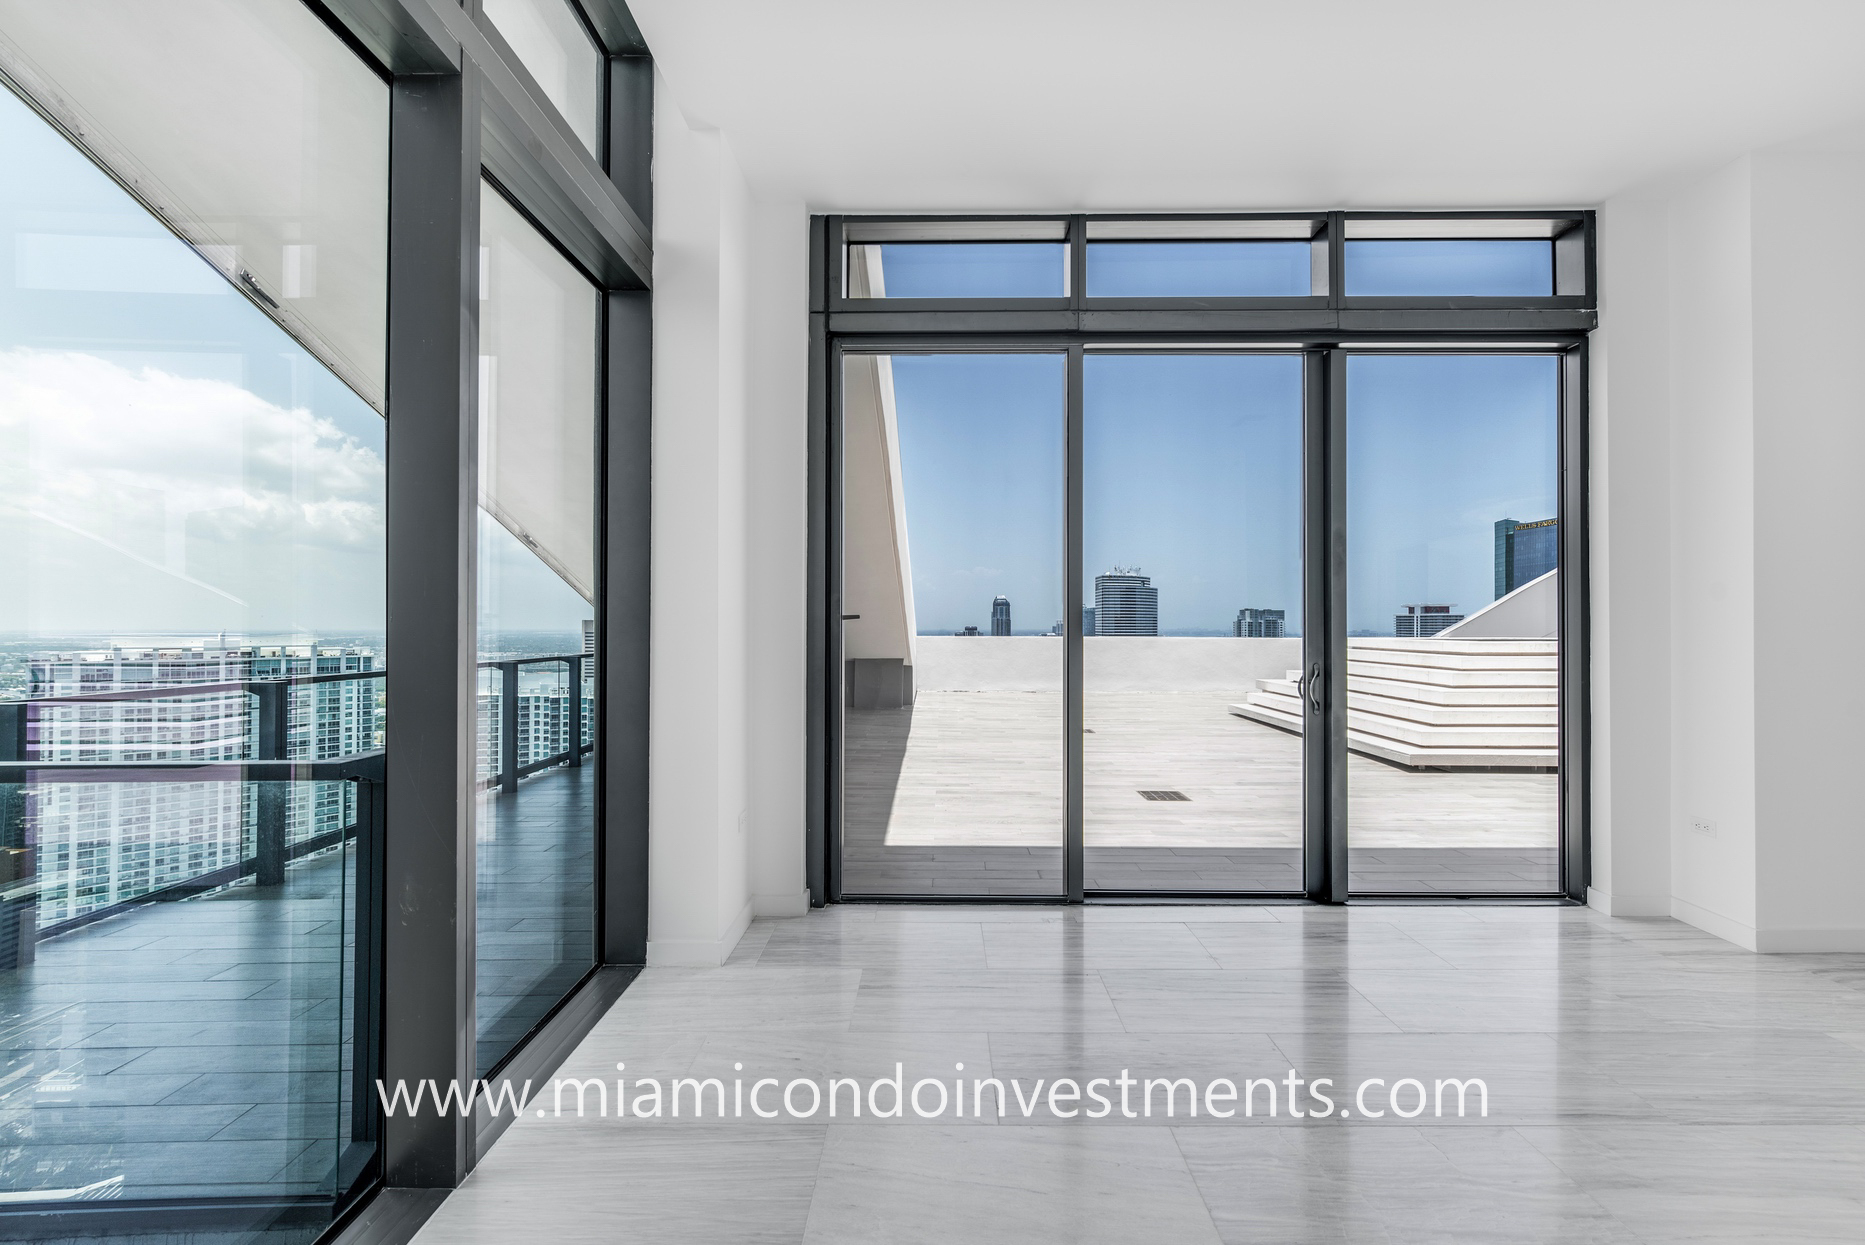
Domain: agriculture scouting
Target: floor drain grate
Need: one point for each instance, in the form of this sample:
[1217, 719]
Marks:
[1165, 795]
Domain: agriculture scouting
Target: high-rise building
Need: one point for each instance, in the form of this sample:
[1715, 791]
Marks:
[1525, 552]
[1000, 616]
[1419, 621]
[1125, 603]
[1087, 620]
[968, 631]
[589, 637]
[106, 843]
[543, 722]
[1266, 624]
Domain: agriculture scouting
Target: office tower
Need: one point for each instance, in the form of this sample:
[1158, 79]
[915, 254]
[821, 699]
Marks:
[589, 637]
[968, 631]
[1525, 552]
[1087, 620]
[1000, 616]
[1419, 621]
[1264, 624]
[1125, 603]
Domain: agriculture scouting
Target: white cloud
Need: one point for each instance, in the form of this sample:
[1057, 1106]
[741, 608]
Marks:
[82, 433]
[192, 476]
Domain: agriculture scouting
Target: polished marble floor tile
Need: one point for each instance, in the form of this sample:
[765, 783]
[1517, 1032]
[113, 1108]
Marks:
[1644, 1082]
[1009, 1183]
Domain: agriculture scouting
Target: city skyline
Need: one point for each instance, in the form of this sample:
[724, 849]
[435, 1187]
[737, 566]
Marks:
[1192, 469]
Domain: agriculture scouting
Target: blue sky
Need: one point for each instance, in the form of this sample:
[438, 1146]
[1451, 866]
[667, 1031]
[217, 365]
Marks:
[171, 460]
[1191, 470]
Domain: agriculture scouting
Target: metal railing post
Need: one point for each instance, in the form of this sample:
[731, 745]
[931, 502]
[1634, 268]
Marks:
[18, 915]
[575, 714]
[508, 726]
[274, 729]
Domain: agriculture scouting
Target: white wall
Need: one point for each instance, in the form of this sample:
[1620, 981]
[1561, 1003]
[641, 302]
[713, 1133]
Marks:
[1726, 450]
[777, 551]
[698, 885]
[1713, 553]
[1727, 453]
[1809, 489]
[1630, 444]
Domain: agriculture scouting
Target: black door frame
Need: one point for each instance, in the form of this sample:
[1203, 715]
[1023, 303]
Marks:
[1324, 330]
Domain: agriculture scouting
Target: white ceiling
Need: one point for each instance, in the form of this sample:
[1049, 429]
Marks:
[1198, 104]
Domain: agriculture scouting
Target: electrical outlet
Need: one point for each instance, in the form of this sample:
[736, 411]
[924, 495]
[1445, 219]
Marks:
[1704, 827]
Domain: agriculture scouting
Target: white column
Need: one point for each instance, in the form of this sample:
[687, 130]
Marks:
[699, 900]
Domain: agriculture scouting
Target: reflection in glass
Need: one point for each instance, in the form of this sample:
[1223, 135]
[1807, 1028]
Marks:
[537, 575]
[191, 514]
[952, 513]
[1191, 575]
[1450, 267]
[273, 163]
[1453, 615]
[958, 270]
[1199, 269]
[555, 48]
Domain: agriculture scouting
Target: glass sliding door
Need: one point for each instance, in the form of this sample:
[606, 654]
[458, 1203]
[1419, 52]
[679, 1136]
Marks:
[1453, 623]
[952, 502]
[1191, 622]
[536, 825]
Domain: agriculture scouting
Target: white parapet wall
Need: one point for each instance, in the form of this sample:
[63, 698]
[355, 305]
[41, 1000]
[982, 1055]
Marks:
[1218, 665]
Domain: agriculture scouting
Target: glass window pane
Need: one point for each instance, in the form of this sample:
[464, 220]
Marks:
[554, 46]
[958, 270]
[191, 510]
[1192, 577]
[537, 527]
[1453, 617]
[273, 163]
[952, 496]
[1450, 267]
[1199, 269]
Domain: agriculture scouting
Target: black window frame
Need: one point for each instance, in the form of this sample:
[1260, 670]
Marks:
[462, 107]
[1325, 329]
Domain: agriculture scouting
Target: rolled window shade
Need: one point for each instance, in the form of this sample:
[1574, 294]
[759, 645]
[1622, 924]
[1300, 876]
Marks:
[252, 131]
[537, 394]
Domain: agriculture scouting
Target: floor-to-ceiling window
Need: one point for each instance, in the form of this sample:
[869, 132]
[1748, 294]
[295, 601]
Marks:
[535, 839]
[1453, 622]
[1314, 478]
[1191, 602]
[952, 602]
[192, 629]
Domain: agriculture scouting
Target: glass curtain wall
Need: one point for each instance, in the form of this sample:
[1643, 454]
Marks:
[539, 328]
[1453, 616]
[1191, 621]
[952, 637]
[192, 533]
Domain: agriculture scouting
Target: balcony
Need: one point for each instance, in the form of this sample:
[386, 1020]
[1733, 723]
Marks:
[179, 942]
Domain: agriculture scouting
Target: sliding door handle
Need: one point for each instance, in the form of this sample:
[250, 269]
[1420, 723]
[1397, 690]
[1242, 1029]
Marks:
[1314, 687]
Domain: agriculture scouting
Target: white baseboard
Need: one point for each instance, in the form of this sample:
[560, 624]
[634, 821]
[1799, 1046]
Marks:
[699, 952]
[781, 905]
[1781, 941]
[1628, 905]
[1715, 923]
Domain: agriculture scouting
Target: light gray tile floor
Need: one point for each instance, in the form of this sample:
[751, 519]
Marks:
[1646, 1082]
